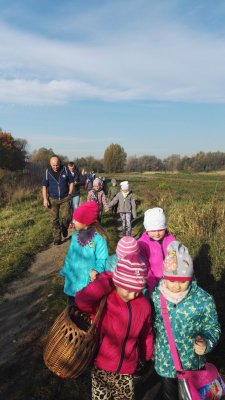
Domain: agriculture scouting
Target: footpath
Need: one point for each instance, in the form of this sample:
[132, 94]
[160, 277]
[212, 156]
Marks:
[21, 325]
[21, 320]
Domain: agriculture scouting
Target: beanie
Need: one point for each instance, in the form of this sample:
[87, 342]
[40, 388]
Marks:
[86, 213]
[154, 219]
[130, 273]
[178, 264]
[97, 181]
[127, 245]
[124, 185]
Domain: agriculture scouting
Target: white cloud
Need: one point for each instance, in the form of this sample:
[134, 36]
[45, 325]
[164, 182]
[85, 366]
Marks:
[162, 60]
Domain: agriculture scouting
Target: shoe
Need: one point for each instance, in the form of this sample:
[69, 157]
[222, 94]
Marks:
[57, 242]
[64, 231]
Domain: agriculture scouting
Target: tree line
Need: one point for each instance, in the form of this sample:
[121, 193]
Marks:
[14, 156]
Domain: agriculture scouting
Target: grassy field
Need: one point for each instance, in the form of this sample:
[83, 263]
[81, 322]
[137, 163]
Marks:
[195, 207]
[23, 232]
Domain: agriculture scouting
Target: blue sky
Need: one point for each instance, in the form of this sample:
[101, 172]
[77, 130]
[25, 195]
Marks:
[76, 76]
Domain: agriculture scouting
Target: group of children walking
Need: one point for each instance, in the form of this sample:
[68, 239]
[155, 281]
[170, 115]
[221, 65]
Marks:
[134, 279]
[119, 200]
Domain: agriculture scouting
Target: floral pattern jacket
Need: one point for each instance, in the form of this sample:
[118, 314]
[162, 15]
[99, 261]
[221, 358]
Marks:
[194, 315]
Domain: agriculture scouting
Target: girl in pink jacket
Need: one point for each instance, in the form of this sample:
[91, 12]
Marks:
[153, 244]
[97, 194]
[125, 327]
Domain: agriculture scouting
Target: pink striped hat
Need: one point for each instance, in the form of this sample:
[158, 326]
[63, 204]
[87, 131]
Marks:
[127, 245]
[130, 274]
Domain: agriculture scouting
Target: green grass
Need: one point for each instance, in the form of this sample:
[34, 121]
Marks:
[24, 230]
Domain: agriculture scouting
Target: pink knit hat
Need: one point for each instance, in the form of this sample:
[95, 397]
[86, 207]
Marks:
[127, 245]
[86, 213]
[130, 274]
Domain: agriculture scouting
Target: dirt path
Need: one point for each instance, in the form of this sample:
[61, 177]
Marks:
[25, 300]
[22, 325]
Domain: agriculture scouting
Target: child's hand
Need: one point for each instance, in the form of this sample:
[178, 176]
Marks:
[199, 346]
[93, 275]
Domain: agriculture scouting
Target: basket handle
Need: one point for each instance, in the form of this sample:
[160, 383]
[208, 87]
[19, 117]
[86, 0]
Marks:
[98, 314]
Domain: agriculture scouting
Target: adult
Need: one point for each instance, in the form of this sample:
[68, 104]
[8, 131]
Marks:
[58, 185]
[89, 180]
[79, 181]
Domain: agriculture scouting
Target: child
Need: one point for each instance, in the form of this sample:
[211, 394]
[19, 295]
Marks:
[127, 245]
[96, 194]
[153, 244]
[125, 329]
[126, 207]
[87, 252]
[112, 192]
[193, 319]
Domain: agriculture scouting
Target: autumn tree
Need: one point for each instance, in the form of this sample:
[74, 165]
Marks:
[144, 163]
[64, 159]
[133, 164]
[114, 158]
[42, 156]
[171, 162]
[13, 154]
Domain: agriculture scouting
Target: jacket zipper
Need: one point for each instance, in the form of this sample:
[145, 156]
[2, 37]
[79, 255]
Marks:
[58, 182]
[125, 339]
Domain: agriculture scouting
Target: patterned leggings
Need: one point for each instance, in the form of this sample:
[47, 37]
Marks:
[111, 386]
[126, 223]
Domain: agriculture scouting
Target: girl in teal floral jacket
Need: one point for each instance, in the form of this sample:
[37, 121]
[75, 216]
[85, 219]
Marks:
[193, 319]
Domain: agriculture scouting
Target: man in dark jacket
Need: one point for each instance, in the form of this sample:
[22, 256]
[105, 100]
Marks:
[56, 191]
[79, 181]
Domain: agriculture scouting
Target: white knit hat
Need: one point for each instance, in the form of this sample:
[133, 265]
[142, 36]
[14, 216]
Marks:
[124, 185]
[154, 219]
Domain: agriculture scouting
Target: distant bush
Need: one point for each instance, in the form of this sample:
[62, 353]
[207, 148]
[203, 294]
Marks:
[18, 186]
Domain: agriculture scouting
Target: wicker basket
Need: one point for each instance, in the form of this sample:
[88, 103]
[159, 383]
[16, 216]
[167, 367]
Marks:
[72, 342]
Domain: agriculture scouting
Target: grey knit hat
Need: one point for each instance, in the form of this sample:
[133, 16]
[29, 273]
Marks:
[178, 264]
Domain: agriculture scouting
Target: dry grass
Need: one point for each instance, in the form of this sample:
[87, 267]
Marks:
[18, 186]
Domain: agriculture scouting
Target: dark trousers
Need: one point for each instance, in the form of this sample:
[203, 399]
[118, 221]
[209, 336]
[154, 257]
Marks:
[59, 211]
[169, 389]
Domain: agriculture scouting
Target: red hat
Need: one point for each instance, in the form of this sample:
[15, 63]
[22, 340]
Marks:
[86, 213]
[127, 245]
[130, 273]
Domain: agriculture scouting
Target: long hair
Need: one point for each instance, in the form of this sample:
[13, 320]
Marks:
[99, 228]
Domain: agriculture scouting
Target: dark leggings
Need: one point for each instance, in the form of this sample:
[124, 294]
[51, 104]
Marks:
[169, 389]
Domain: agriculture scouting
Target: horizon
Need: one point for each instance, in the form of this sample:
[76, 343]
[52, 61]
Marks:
[78, 76]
